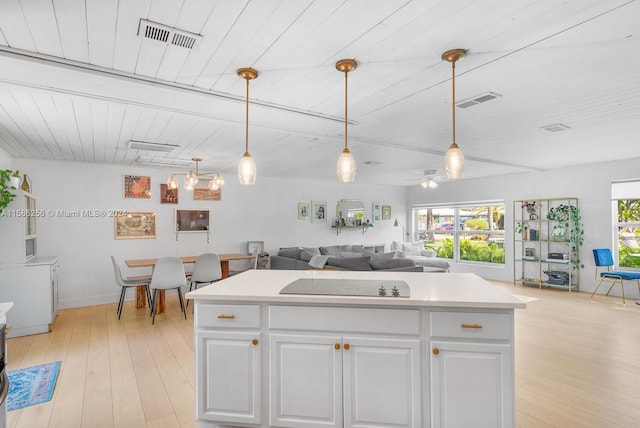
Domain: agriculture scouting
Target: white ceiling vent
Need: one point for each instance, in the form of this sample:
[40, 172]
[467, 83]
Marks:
[556, 127]
[168, 35]
[151, 147]
[166, 162]
[473, 101]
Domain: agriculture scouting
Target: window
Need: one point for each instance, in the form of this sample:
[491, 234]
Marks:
[468, 233]
[626, 206]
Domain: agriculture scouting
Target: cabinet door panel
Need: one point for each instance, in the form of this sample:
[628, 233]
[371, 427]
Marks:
[471, 385]
[305, 381]
[382, 383]
[228, 377]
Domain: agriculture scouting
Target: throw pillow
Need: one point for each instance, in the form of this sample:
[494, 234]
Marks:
[382, 256]
[391, 263]
[306, 255]
[428, 253]
[318, 262]
[350, 263]
[313, 250]
[411, 249]
[334, 250]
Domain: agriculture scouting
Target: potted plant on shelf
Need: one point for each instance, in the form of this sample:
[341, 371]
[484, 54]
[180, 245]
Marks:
[569, 227]
[9, 180]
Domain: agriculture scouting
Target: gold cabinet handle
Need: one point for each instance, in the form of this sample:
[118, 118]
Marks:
[226, 317]
[336, 346]
[470, 326]
[436, 351]
[346, 346]
[255, 342]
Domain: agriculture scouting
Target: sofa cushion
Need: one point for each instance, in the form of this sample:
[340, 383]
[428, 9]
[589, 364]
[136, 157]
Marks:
[428, 253]
[292, 253]
[313, 250]
[306, 255]
[351, 254]
[350, 263]
[382, 263]
[334, 250]
[412, 248]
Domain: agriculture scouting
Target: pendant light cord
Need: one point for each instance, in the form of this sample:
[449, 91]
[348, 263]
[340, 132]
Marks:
[453, 100]
[346, 108]
[246, 125]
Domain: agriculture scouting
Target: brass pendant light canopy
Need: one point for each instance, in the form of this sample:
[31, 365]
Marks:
[247, 166]
[346, 168]
[454, 158]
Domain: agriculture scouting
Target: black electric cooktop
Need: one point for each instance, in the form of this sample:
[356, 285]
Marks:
[348, 287]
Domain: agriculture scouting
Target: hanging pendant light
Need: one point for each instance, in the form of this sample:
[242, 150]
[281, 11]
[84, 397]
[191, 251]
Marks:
[191, 179]
[454, 159]
[346, 163]
[247, 166]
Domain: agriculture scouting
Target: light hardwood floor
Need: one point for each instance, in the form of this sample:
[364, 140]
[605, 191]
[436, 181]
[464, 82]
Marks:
[577, 365]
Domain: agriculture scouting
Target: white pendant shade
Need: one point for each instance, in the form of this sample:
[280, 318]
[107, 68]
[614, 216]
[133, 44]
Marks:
[454, 162]
[247, 170]
[172, 183]
[346, 167]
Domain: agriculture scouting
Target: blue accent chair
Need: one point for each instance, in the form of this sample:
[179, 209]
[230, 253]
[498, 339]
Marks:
[604, 259]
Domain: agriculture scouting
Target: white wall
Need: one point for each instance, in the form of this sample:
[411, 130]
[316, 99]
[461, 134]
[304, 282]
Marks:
[5, 160]
[591, 184]
[265, 212]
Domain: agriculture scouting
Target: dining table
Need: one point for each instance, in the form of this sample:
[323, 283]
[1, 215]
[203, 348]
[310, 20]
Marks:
[151, 262]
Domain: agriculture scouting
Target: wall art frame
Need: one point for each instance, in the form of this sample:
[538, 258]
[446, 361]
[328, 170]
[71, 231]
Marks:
[318, 211]
[192, 221]
[137, 186]
[135, 225]
[386, 212]
[167, 195]
[303, 210]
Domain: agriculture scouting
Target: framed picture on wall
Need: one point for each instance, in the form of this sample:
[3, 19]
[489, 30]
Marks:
[376, 210]
[192, 220]
[319, 211]
[386, 212]
[137, 186]
[167, 195]
[136, 225]
[206, 194]
[303, 210]
[255, 245]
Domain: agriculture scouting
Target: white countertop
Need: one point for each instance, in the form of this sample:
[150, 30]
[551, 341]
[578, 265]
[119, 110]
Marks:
[4, 308]
[427, 289]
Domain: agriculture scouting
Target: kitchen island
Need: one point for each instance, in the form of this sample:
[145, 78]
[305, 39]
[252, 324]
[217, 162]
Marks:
[441, 356]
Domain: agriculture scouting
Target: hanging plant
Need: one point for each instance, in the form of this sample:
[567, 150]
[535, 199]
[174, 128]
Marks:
[568, 218]
[6, 194]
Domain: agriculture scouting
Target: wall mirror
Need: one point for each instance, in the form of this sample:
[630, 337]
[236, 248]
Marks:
[350, 212]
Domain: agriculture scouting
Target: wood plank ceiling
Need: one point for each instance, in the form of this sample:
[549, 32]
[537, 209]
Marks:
[77, 83]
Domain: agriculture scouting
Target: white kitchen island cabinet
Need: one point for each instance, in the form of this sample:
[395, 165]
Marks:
[433, 359]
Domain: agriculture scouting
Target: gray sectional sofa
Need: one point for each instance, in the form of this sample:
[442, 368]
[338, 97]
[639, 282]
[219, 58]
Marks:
[342, 257]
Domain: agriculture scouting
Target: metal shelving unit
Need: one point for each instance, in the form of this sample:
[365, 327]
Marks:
[546, 253]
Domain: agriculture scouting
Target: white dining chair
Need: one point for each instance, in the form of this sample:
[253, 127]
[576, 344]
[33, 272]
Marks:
[125, 284]
[206, 270]
[168, 274]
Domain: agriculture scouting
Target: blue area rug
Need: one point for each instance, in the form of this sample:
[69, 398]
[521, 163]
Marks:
[31, 385]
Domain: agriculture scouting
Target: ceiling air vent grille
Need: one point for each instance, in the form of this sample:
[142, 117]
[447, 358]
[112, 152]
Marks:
[478, 99]
[164, 162]
[162, 33]
[152, 147]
